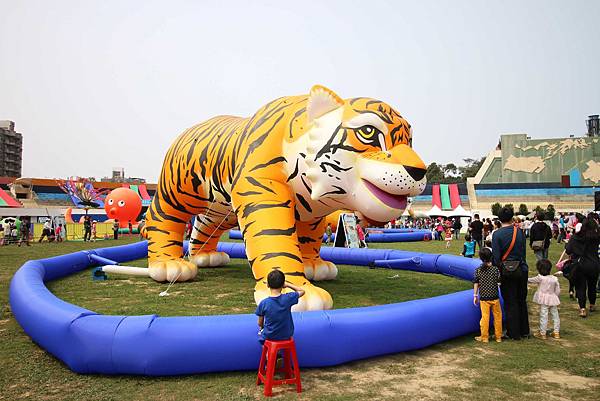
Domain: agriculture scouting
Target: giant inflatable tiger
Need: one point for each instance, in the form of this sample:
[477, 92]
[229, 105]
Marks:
[277, 174]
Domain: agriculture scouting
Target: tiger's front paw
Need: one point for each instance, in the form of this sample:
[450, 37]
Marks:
[315, 298]
[319, 270]
[172, 270]
[210, 259]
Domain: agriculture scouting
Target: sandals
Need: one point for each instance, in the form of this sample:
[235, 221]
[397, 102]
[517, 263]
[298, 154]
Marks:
[582, 312]
[592, 308]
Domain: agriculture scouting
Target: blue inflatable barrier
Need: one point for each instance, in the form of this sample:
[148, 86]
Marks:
[396, 230]
[391, 236]
[101, 260]
[89, 342]
[403, 264]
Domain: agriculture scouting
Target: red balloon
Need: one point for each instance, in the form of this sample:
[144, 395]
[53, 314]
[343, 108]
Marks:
[123, 204]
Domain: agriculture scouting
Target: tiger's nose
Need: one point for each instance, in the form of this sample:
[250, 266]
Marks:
[416, 173]
[412, 163]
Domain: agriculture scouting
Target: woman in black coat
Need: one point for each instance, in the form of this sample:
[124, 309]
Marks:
[583, 248]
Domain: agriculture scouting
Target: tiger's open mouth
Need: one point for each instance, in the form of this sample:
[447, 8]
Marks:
[391, 200]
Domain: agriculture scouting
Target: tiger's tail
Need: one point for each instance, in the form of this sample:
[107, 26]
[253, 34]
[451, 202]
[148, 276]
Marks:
[142, 229]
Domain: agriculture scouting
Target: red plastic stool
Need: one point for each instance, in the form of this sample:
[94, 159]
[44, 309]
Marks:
[290, 368]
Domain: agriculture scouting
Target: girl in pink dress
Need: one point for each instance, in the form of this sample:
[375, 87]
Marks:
[547, 297]
[448, 236]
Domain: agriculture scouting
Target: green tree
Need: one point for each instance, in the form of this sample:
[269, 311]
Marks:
[451, 173]
[523, 209]
[496, 208]
[510, 206]
[434, 173]
[538, 209]
[550, 212]
[470, 168]
[450, 170]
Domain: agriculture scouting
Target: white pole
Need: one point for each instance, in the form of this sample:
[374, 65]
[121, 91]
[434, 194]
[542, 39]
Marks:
[129, 270]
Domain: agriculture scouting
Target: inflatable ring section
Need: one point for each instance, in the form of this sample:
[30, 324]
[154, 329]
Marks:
[88, 342]
[374, 236]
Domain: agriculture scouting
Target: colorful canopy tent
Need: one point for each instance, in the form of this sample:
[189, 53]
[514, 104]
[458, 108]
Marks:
[454, 196]
[437, 212]
[141, 191]
[459, 211]
[435, 196]
[144, 192]
[8, 201]
[445, 196]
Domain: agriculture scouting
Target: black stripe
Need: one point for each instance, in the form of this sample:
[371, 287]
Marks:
[271, 255]
[339, 191]
[156, 229]
[172, 242]
[295, 173]
[158, 214]
[246, 228]
[248, 193]
[316, 223]
[305, 240]
[277, 231]
[304, 202]
[258, 184]
[295, 116]
[333, 166]
[275, 160]
[253, 207]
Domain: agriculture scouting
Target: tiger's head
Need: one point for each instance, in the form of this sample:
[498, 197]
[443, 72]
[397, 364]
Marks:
[359, 155]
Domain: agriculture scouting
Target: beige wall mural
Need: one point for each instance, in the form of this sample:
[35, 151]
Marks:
[531, 164]
[592, 172]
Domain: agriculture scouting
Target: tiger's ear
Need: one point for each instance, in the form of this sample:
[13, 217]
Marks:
[321, 101]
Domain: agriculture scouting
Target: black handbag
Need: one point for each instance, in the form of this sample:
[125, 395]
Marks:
[570, 268]
[511, 269]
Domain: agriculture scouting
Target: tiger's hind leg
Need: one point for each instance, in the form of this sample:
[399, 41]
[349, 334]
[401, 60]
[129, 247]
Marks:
[207, 230]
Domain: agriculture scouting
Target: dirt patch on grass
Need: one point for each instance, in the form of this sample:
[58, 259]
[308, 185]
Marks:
[564, 379]
[422, 375]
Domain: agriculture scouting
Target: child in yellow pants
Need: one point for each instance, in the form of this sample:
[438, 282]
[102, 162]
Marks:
[485, 293]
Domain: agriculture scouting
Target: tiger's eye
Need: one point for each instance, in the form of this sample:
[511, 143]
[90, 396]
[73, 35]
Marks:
[367, 131]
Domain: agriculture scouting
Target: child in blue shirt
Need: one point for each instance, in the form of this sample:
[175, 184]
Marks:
[275, 312]
[468, 247]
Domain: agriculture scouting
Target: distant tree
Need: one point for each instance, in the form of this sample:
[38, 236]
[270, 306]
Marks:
[434, 173]
[450, 170]
[538, 209]
[510, 206]
[550, 212]
[470, 168]
[523, 209]
[451, 173]
[496, 208]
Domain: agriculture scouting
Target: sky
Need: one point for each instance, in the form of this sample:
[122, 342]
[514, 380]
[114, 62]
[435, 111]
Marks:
[94, 85]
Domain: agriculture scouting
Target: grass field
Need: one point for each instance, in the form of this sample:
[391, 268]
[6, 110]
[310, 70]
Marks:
[460, 369]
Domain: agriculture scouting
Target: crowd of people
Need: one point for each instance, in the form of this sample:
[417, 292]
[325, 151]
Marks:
[20, 231]
[506, 268]
[502, 244]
